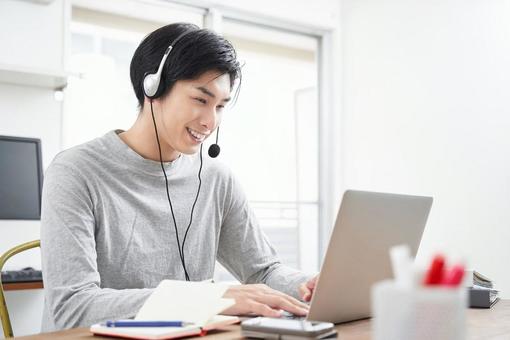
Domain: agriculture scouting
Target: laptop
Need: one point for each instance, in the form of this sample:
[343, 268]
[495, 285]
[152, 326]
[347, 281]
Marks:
[367, 226]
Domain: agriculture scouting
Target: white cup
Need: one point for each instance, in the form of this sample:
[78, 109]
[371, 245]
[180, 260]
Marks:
[418, 313]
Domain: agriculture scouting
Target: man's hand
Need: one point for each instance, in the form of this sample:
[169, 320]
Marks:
[306, 289]
[261, 300]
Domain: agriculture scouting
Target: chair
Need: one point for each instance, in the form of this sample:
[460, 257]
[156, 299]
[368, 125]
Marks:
[4, 314]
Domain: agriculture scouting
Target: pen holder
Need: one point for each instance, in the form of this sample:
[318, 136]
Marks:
[418, 313]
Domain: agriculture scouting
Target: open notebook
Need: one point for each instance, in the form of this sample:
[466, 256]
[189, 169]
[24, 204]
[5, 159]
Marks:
[196, 302]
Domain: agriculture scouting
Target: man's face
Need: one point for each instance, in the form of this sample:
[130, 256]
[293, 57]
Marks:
[191, 111]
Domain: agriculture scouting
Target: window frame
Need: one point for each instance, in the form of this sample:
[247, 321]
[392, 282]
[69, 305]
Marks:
[212, 17]
[328, 204]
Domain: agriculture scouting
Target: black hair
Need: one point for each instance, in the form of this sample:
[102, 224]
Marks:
[195, 53]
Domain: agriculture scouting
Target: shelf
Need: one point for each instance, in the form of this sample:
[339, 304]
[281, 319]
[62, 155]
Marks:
[23, 285]
[16, 75]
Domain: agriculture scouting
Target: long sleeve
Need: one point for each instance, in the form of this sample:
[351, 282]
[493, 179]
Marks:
[107, 235]
[73, 293]
[245, 251]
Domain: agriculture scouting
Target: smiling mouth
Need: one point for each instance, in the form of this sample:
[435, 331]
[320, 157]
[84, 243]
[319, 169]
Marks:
[197, 136]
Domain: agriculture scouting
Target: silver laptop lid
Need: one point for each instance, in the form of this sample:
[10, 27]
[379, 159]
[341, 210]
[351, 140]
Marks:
[367, 226]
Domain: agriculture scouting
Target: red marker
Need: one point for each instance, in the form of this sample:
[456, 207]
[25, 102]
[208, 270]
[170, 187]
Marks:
[434, 275]
[454, 276]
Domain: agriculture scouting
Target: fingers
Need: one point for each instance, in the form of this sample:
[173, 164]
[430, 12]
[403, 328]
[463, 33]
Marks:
[312, 283]
[262, 300]
[307, 297]
[278, 300]
[307, 288]
[292, 300]
[287, 303]
[305, 292]
[264, 310]
[297, 303]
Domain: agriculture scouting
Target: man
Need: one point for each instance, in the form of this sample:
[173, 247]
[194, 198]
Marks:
[129, 209]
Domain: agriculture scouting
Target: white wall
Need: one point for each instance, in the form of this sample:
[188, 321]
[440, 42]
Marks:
[426, 111]
[31, 37]
[32, 34]
[28, 112]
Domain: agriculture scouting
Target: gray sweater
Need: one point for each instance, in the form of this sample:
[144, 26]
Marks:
[107, 236]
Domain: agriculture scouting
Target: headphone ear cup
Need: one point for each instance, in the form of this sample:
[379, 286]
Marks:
[151, 80]
[151, 84]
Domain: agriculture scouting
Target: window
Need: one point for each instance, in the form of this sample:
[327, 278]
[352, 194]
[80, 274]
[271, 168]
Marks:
[270, 137]
[100, 98]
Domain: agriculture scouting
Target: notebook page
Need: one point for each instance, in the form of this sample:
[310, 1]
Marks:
[195, 302]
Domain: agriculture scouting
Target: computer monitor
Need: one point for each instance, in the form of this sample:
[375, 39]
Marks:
[20, 178]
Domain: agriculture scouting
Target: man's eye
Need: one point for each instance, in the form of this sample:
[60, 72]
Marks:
[203, 101]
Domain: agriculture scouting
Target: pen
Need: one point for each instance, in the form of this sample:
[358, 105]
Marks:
[135, 323]
[435, 272]
[454, 276]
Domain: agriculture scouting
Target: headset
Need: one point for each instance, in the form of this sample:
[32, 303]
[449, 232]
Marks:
[151, 84]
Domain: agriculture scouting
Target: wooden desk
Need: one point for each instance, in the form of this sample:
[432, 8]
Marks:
[483, 324]
[23, 285]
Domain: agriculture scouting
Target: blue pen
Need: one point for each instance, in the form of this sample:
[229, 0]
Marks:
[135, 323]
